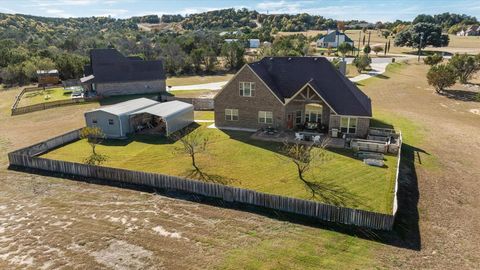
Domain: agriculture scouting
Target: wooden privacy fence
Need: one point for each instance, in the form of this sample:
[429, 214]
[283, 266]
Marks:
[26, 157]
[45, 105]
[41, 106]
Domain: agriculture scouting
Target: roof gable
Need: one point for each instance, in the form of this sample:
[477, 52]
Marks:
[332, 37]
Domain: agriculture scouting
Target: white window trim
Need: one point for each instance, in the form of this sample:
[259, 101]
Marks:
[241, 89]
[348, 124]
[262, 117]
[227, 118]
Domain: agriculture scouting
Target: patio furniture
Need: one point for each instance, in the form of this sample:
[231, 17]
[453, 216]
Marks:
[270, 131]
[316, 139]
[374, 162]
[299, 137]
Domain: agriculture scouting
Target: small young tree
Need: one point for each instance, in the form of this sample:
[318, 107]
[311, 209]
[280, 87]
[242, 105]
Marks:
[367, 49]
[362, 62]
[304, 157]
[432, 60]
[94, 136]
[440, 77]
[192, 142]
[465, 66]
[344, 48]
[377, 49]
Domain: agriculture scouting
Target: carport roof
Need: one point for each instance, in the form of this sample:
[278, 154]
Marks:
[166, 109]
[127, 107]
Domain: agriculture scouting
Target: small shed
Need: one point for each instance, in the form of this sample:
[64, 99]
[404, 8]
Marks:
[48, 77]
[164, 118]
[141, 115]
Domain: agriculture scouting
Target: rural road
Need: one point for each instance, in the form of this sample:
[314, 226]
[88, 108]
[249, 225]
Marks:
[378, 65]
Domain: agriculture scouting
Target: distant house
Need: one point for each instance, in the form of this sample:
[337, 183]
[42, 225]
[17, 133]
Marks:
[141, 115]
[254, 43]
[333, 39]
[251, 43]
[473, 30]
[110, 73]
[48, 77]
[289, 93]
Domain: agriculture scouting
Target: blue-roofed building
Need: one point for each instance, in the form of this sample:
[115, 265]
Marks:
[333, 39]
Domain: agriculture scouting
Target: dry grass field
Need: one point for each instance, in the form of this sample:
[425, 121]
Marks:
[55, 223]
[457, 44]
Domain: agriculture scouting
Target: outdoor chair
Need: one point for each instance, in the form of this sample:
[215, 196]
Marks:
[316, 139]
[298, 136]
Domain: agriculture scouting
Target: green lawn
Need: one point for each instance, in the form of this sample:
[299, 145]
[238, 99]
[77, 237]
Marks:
[204, 115]
[193, 93]
[42, 96]
[234, 159]
[190, 80]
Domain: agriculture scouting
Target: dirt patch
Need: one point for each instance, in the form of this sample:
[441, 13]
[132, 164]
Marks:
[122, 255]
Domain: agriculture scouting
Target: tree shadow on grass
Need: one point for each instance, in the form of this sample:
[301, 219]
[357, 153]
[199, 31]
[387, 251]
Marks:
[462, 95]
[331, 193]
[207, 177]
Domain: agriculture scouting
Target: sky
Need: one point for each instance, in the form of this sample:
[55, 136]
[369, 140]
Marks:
[372, 11]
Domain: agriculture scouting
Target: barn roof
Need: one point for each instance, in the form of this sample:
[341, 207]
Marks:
[109, 65]
[285, 76]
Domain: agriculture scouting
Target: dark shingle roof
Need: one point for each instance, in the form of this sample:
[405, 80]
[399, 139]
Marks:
[332, 37]
[285, 76]
[109, 65]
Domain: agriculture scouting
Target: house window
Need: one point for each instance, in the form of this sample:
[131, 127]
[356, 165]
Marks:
[246, 89]
[231, 114]
[298, 117]
[265, 117]
[110, 121]
[94, 121]
[313, 113]
[348, 125]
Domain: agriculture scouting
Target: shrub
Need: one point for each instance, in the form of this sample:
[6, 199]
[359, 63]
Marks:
[441, 76]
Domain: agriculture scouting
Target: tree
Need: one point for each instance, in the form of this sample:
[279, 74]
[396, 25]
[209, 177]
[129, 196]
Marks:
[386, 33]
[432, 60]
[377, 49]
[209, 59]
[192, 142]
[367, 49]
[441, 76]
[362, 62]
[233, 53]
[197, 58]
[432, 36]
[344, 48]
[94, 136]
[465, 66]
[304, 157]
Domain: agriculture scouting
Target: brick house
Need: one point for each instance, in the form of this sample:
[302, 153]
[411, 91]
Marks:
[110, 73]
[292, 93]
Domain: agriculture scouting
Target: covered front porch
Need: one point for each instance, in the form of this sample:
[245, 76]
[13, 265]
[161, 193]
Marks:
[307, 111]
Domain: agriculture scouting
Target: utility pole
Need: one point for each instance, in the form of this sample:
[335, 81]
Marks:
[369, 33]
[359, 36]
[420, 45]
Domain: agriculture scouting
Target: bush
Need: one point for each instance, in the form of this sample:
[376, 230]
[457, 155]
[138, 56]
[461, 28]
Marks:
[432, 60]
[362, 62]
[441, 76]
